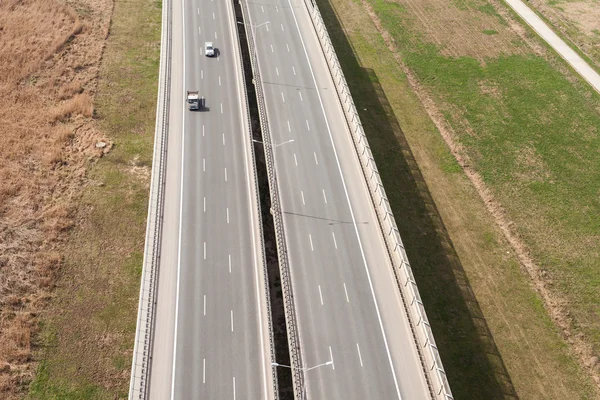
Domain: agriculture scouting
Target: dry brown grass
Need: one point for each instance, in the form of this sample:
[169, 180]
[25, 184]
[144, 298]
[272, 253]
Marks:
[49, 58]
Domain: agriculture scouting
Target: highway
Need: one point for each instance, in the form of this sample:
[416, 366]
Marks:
[211, 336]
[355, 338]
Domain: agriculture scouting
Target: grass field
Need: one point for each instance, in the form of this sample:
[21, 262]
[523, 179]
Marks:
[529, 129]
[86, 340]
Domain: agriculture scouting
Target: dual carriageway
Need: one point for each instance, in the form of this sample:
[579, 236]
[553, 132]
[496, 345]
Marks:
[211, 328]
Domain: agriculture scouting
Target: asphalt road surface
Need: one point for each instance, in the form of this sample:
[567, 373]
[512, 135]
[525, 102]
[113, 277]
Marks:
[349, 310]
[211, 336]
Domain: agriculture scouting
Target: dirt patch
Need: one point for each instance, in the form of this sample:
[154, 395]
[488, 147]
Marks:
[49, 57]
[579, 21]
[554, 303]
[453, 27]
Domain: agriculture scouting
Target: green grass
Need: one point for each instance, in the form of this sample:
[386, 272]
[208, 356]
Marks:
[86, 341]
[531, 109]
[490, 32]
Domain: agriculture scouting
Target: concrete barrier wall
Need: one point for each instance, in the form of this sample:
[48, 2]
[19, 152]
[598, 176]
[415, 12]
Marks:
[423, 335]
[140, 369]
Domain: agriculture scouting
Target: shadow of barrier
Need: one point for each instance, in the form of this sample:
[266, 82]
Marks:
[466, 347]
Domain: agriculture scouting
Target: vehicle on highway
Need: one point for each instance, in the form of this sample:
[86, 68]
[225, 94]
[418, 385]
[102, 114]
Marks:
[193, 100]
[209, 50]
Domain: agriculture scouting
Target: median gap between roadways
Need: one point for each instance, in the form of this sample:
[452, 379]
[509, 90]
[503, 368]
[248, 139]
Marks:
[280, 339]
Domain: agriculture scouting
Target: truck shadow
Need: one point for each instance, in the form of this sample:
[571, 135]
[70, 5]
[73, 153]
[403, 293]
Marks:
[473, 364]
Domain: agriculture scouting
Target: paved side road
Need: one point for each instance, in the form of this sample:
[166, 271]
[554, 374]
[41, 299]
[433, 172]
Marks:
[538, 25]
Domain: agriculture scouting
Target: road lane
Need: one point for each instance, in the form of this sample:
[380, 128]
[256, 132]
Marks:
[322, 158]
[212, 332]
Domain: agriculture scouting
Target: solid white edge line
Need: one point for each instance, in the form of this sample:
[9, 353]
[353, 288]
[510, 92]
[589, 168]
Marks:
[350, 207]
[180, 216]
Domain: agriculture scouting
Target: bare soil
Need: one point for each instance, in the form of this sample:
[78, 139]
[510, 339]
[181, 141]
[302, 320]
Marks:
[49, 58]
[578, 20]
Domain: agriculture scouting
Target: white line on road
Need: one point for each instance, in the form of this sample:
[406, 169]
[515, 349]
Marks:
[204, 370]
[198, 11]
[282, 98]
[320, 295]
[204, 204]
[227, 214]
[267, 26]
[215, 35]
[262, 8]
[276, 8]
[229, 263]
[331, 355]
[362, 252]
[223, 139]
[346, 291]
[300, 93]
[277, 71]
[202, 130]
[324, 196]
[288, 47]
[199, 30]
[307, 125]
[289, 127]
[334, 241]
[359, 356]
[302, 194]
[204, 165]
[180, 230]
[282, 27]
[204, 304]
[201, 74]
[231, 320]
[219, 81]
[311, 244]
[234, 388]
[294, 70]
[204, 250]
[221, 108]
[295, 160]
[272, 49]
[316, 161]
[225, 174]
[213, 15]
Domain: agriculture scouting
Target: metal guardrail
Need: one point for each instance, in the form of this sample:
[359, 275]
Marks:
[288, 296]
[144, 335]
[260, 225]
[430, 358]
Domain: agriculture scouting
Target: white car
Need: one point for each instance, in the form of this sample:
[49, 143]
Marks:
[209, 50]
